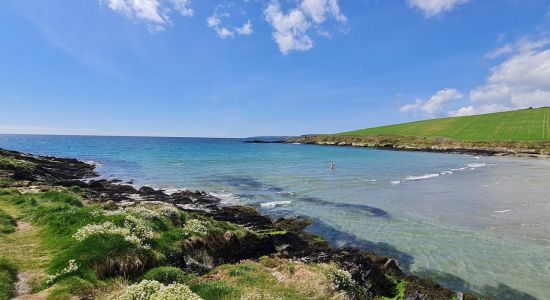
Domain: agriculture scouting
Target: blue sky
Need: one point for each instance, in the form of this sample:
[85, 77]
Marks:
[265, 67]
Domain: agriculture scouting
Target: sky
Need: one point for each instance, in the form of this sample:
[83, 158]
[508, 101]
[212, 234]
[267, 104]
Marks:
[237, 68]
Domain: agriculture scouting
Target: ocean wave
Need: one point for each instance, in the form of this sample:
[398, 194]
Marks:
[425, 176]
[476, 165]
[396, 182]
[502, 211]
[366, 180]
[226, 197]
[275, 204]
[93, 163]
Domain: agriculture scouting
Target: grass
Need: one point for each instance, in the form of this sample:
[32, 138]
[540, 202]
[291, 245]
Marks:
[400, 287]
[268, 279]
[7, 222]
[44, 241]
[167, 275]
[519, 125]
[8, 273]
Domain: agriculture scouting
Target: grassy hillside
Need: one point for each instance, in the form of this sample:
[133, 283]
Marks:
[519, 125]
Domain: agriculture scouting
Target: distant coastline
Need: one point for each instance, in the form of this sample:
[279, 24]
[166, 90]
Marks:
[425, 144]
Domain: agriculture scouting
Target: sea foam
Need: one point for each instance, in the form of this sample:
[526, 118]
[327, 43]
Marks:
[275, 204]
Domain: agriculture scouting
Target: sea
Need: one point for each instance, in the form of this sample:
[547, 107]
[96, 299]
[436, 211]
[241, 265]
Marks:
[472, 223]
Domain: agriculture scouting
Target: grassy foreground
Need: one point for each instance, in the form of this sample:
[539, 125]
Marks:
[519, 125]
[76, 249]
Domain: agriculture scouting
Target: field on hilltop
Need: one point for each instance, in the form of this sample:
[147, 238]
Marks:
[519, 125]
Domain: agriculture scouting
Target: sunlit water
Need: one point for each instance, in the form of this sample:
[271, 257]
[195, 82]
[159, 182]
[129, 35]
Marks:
[485, 220]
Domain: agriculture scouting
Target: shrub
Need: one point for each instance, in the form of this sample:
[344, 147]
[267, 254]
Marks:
[8, 273]
[166, 275]
[141, 291]
[175, 292]
[154, 290]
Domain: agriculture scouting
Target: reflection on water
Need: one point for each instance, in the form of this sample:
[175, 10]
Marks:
[484, 220]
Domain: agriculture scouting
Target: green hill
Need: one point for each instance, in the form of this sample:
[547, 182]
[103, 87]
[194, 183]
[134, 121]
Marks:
[519, 125]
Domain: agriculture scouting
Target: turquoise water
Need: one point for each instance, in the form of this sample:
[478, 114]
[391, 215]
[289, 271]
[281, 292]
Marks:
[485, 220]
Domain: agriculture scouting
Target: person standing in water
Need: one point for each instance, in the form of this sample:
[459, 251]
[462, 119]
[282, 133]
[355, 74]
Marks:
[332, 165]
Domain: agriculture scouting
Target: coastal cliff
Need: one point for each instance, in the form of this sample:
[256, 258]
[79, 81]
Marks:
[90, 238]
[433, 144]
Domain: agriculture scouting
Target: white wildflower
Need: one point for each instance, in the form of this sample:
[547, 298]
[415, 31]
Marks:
[175, 292]
[170, 212]
[95, 229]
[341, 279]
[138, 227]
[108, 228]
[196, 226]
[70, 268]
[154, 290]
[141, 291]
[143, 213]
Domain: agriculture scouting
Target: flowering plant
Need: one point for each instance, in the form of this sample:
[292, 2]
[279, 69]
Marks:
[154, 290]
[196, 226]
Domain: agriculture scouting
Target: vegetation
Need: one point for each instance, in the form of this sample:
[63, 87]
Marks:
[273, 279]
[8, 273]
[7, 222]
[519, 125]
[85, 256]
[167, 275]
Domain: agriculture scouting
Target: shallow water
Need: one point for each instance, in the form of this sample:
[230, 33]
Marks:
[485, 220]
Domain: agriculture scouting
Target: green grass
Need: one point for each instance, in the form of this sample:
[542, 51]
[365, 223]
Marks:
[519, 125]
[7, 222]
[44, 243]
[167, 275]
[8, 273]
[270, 278]
[400, 287]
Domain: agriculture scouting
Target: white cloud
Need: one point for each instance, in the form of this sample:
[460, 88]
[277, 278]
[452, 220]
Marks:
[291, 29]
[156, 13]
[476, 110]
[215, 23]
[521, 80]
[245, 29]
[433, 8]
[221, 18]
[433, 106]
[319, 9]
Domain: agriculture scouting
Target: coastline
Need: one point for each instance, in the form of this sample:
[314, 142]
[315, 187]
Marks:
[281, 238]
[540, 150]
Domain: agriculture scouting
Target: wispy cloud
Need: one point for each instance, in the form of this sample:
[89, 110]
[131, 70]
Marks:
[432, 8]
[156, 13]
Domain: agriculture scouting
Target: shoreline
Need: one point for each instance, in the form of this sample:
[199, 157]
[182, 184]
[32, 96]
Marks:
[288, 234]
[414, 144]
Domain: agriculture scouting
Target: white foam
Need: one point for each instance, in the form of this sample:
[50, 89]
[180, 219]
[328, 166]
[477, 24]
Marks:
[425, 176]
[226, 197]
[446, 173]
[172, 190]
[275, 204]
[367, 180]
[395, 182]
[476, 165]
[93, 163]
[502, 211]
